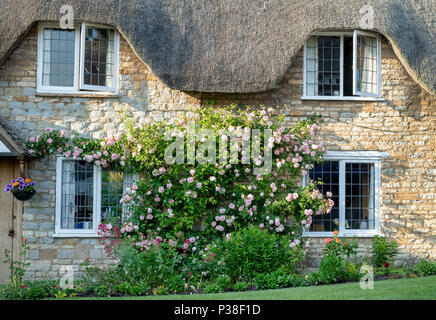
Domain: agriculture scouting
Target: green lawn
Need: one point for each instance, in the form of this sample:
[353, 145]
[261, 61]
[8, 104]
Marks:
[412, 288]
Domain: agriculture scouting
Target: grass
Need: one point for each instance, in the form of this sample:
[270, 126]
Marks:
[394, 289]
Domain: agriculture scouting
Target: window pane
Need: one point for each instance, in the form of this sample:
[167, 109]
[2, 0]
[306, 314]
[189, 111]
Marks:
[312, 67]
[99, 59]
[58, 57]
[112, 188]
[328, 173]
[359, 196]
[77, 195]
[366, 74]
[323, 76]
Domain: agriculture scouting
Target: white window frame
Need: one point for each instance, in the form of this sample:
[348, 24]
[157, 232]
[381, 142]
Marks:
[40, 55]
[96, 212]
[362, 93]
[344, 157]
[79, 87]
[363, 97]
[82, 59]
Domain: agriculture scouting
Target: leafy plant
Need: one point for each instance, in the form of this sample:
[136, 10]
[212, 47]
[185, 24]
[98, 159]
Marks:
[383, 251]
[240, 286]
[425, 268]
[335, 264]
[213, 288]
[253, 251]
[18, 270]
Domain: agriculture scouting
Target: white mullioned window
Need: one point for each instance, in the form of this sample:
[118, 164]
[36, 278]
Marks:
[87, 195]
[353, 177]
[342, 66]
[80, 60]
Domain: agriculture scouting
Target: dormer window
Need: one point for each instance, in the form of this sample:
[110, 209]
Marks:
[79, 60]
[342, 66]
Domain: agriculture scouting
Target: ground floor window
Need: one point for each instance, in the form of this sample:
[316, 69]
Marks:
[87, 195]
[354, 180]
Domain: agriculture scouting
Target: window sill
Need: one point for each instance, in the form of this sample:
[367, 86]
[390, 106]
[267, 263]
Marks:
[334, 98]
[86, 94]
[340, 235]
[76, 235]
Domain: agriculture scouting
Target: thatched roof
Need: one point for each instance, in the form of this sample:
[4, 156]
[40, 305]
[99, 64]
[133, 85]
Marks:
[235, 45]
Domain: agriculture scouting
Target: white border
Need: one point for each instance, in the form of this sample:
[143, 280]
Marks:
[96, 214]
[40, 65]
[353, 157]
[92, 88]
[341, 97]
[362, 93]
[78, 63]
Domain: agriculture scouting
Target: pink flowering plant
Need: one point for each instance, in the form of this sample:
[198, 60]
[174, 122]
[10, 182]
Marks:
[189, 205]
[173, 199]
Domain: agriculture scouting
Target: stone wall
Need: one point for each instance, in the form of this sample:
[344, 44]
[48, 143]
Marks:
[404, 126]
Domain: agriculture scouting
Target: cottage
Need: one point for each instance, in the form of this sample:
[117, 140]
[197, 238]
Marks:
[368, 67]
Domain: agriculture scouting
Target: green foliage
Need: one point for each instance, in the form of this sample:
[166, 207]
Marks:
[332, 268]
[152, 266]
[253, 251]
[314, 278]
[175, 283]
[240, 286]
[425, 268]
[383, 251]
[335, 265]
[18, 269]
[213, 288]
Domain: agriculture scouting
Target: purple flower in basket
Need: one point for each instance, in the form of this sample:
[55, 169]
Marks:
[20, 185]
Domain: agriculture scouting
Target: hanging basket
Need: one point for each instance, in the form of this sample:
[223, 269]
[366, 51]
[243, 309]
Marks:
[24, 195]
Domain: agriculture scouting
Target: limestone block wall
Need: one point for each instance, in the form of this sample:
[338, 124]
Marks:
[404, 125]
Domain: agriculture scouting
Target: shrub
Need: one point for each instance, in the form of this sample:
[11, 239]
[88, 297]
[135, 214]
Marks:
[224, 281]
[104, 282]
[175, 283]
[332, 269]
[253, 251]
[314, 278]
[425, 268]
[285, 279]
[264, 281]
[335, 264]
[240, 286]
[213, 288]
[151, 266]
[383, 251]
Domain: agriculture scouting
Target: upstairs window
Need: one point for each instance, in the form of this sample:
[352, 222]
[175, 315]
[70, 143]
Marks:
[342, 65]
[84, 59]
